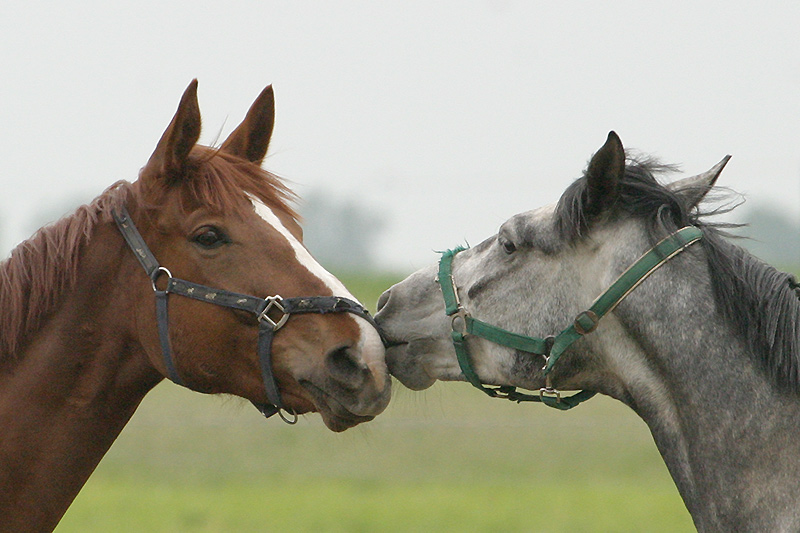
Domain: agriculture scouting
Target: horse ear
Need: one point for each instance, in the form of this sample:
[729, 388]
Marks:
[694, 189]
[603, 175]
[251, 139]
[172, 151]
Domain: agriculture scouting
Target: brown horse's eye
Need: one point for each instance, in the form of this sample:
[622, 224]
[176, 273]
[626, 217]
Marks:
[210, 237]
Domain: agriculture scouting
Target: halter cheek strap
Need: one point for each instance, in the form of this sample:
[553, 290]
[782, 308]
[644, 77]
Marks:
[551, 348]
[272, 313]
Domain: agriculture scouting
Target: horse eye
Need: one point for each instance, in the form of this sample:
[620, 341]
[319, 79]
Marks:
[508, 246]
[210, 237]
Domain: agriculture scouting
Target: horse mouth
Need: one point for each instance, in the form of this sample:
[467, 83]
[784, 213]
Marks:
[334, 414]
[402, 360]
[392, 343]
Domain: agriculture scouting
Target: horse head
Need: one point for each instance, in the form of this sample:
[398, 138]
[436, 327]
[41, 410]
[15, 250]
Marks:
[541, 269]
[214, 217]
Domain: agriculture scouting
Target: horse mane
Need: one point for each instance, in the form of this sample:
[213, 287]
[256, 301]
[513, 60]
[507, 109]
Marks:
[760, 301]
[41, 269]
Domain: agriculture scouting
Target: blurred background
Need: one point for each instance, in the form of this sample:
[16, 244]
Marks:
[434, 121]
[406, 127]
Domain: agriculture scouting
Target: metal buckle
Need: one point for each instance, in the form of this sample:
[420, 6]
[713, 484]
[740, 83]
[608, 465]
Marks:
[591, 316]
[455, 290]
[549, 341]
[274, 302]
[550, 391]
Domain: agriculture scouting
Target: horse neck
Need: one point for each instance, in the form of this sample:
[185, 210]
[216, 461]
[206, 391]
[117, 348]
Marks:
[68, 393]
[723, 427]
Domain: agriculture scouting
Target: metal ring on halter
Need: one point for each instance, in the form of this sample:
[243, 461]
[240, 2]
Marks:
[459, 321]
[157, 274]
[290, 421]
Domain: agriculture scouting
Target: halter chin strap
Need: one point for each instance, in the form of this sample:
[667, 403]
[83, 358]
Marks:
[272, 313]
[551, 348]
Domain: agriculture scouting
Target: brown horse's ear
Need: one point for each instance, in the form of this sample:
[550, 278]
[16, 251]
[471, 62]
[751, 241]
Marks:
[694, 189]
[603, 175]
[251, 139]
[172, 151]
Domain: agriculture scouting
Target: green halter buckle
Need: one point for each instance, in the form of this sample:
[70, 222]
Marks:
[551, 348]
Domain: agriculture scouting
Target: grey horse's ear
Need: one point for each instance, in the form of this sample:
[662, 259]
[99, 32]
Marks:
[603, 175]
[694, 189]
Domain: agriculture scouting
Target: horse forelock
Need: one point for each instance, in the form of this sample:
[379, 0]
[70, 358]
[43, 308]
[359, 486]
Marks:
[759, 301]
[640, 195]
[224, 178]
[221, 182]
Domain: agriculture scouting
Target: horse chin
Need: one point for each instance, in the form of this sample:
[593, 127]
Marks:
[334, 414]
[338, 424]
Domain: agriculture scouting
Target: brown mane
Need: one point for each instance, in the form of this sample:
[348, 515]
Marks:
[42, 268]
[220, 181]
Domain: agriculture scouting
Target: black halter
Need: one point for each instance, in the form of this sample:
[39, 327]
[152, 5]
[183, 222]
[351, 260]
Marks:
[272, 312]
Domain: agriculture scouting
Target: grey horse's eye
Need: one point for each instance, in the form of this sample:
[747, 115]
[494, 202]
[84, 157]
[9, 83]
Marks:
[508, 246]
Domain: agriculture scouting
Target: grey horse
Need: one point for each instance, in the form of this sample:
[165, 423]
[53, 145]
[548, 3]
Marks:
[705, 350]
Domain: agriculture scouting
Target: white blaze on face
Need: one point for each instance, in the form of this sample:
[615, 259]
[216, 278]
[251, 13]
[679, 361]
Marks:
[370, 342]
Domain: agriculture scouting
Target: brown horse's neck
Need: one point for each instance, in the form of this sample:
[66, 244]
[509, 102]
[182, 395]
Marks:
[67, 395]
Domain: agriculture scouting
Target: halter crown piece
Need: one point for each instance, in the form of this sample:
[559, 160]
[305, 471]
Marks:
[552, 347]
[272, 313]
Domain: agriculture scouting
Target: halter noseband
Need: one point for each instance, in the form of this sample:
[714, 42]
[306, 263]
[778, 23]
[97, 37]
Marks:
[552, 347]
[272, 313]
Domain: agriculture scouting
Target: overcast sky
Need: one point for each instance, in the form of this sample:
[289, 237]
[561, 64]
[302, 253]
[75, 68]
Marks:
[446, 117]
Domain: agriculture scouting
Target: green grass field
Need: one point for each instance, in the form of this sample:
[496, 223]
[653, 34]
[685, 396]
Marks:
[447, 459]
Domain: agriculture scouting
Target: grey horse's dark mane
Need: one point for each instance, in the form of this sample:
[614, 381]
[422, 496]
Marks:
[760, 301]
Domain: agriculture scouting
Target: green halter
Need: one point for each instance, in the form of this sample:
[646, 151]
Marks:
[550, 347]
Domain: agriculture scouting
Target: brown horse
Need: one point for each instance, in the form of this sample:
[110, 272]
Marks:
[79, 339]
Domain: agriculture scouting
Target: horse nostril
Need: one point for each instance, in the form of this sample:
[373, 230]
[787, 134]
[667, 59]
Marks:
[346, 367]
[384, 299]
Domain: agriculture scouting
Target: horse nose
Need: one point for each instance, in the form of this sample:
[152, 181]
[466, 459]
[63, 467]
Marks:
[384, 299]
[347, 368]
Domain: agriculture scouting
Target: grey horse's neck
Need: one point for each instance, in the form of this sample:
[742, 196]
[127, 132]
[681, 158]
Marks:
[727, 433]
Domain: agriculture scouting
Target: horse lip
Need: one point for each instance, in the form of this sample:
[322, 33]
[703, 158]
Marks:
[335, 415]
[391, 343]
